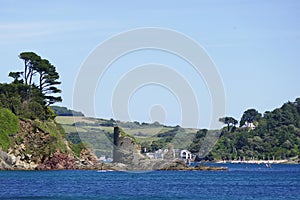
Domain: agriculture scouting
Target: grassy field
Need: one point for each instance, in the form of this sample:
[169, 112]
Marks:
[97, 133]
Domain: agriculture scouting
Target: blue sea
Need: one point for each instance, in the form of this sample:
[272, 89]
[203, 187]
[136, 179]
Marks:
[241, 181]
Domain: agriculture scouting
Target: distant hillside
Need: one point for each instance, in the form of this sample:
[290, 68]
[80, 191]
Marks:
[274, 134]
[98, 133]
[63, 111]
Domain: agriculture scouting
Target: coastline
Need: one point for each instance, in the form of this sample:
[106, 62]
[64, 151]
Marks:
[258, 161]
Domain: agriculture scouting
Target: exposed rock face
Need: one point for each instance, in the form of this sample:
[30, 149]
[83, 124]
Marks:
[5, 161]
[35, 148]
[58, 161]
[127, 156]
[126, 151]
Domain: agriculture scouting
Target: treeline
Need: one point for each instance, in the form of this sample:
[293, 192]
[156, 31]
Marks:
[163, 142]
[274, 134]
[33, 89]
[63, 111]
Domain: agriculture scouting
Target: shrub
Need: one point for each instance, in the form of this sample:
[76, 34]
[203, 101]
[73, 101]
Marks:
[9, 124]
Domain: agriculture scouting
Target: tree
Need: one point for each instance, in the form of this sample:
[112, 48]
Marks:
[47, 80]
[30, 61]
[32, 89]
[250, 116]
[297, 103]
[229, 121]
[16, 76]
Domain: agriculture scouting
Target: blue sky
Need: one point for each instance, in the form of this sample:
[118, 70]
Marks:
[255, 46]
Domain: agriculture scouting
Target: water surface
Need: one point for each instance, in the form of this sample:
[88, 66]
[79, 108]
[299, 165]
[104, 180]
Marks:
[241, 181]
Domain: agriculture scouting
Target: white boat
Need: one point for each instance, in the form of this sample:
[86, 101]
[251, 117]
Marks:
[268, 165]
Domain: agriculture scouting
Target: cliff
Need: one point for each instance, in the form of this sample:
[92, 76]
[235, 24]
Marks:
[42, 145]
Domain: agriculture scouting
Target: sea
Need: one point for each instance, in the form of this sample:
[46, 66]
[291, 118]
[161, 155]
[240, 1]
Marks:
[241, 181]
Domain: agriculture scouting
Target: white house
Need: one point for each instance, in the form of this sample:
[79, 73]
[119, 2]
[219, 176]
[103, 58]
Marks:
[185, 155]
[102, 159]
[249, 125]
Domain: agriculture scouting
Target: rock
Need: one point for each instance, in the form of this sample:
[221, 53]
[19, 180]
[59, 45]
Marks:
[22, 146]
[17, 163]
[4, 165]
[59, 166]
[17, 152]
[14, 159]
[118, 166]
[88, 157]
[32, 165]
[5, 161]
[28, 156]
[3, 155]
[127, 156]
[32, 148]
[58, 161]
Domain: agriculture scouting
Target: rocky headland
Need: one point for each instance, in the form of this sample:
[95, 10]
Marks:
[37, 147]
[127, 157]
[42, 146]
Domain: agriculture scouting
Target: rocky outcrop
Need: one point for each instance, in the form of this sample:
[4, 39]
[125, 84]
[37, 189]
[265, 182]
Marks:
[126, 153]
[35, 148]
[127, 156]
[58, 161]
[5, 161]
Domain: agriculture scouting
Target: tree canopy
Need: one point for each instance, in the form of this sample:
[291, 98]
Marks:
[229, 121]
[276, 134]
[33, 89]
[250, 116]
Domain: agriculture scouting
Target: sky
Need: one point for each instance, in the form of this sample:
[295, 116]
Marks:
[254, 45]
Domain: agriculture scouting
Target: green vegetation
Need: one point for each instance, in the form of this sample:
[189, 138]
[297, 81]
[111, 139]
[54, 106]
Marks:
[77, 148]
[29, 96]
[63, 111]
[48, 139]
[276, 133]
[9, 126]
[229, 121]
[98, 133]
[32, 92]
[32, 89]
[250, 116]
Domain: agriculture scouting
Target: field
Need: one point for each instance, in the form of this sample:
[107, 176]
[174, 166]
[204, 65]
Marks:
[97, 133]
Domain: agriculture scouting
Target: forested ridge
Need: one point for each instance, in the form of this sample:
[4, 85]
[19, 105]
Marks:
[272, 135]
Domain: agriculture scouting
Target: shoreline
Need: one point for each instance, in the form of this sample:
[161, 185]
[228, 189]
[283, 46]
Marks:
[258, 162]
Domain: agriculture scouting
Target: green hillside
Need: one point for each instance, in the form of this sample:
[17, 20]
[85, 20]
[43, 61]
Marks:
[98, 133]
[274, 134]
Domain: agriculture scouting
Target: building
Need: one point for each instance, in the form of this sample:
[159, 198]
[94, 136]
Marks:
[249, 125]
[185, 155]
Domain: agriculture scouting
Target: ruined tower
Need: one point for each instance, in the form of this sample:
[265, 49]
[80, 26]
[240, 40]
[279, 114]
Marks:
[116, 156]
